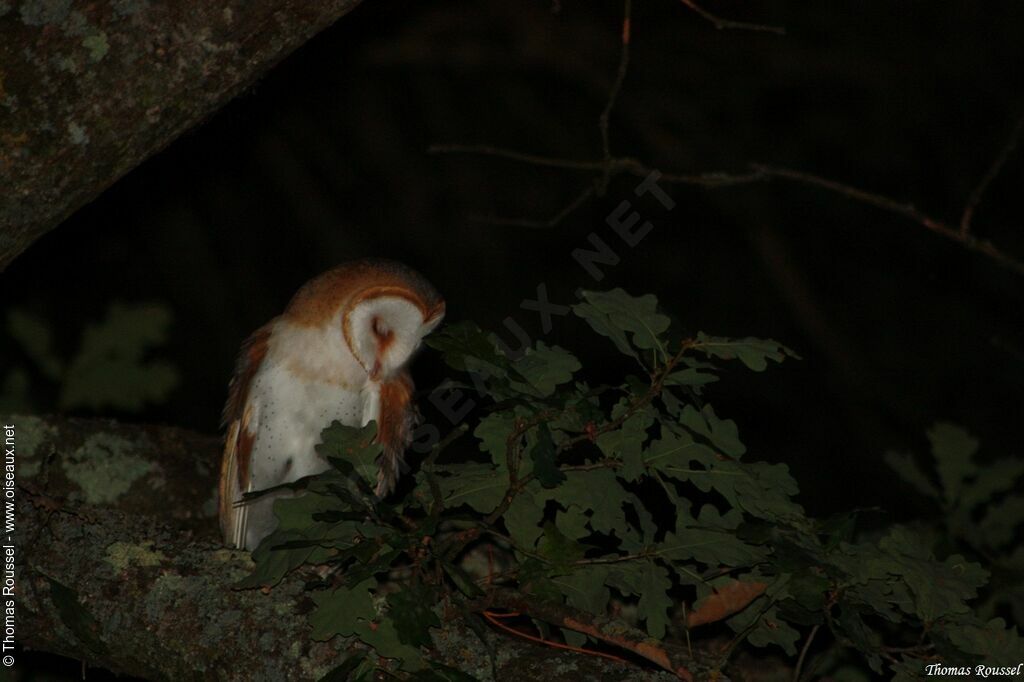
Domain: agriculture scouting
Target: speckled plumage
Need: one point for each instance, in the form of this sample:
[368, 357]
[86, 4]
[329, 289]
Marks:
[339, 351]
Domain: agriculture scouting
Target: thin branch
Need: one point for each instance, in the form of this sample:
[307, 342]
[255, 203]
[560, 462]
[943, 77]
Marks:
[620, 164]
[908, 211]
[728, 24]
[613, 95]
[552, 222]
[990, 175]
[711, 180]
[803, 652]
[665, 655]
[657, 383]
[513, 155]
[428, 465]
[517, 484]
[863, 196]
[759, 172]
[602, 464]
[742, 635]
[495, 620]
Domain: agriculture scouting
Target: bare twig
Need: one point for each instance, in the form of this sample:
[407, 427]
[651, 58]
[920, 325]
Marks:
[908, 211]
[665, 655]
[803, 652]
[989, 176]
[613, 95]
[727, 24]
[428, 468]
[742, 635]
[759, 172]
[553, 221]
[495, 619]
[619, 164]
[513, 155]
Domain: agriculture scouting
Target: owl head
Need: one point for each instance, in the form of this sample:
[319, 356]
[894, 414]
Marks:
[384, 310]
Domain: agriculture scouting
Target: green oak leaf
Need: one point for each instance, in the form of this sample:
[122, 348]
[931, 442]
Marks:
[111, 368]
[523, 516]
[651, 582]
[544, 368]
[994, 478]
[938, 588]
[626, 442]
[493, 432]
[350, 611]
[630, 322]
[904, 465]
[354, 445]
[411, 611]
[598, 492]
[33, 335]
[341, 611]
[573, 522]
[954, 450]
[675, 451]
[1001, 520]
[693, 376]
[585, 588]
[709, 539]
[383, 636]
[481, 486]
[720, 432]
[545, 468]
[765, 627]
[460, 341]
[754, 353]
[273, 562]
[993, 641]
[561, 552]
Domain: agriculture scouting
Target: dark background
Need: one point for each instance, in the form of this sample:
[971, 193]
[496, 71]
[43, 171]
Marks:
[325, 159]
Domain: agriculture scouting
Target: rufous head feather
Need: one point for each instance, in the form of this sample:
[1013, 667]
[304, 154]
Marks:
[384, 309]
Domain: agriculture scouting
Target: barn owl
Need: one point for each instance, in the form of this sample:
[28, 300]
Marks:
[339, 351]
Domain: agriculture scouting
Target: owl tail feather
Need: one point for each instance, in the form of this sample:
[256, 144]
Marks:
[389, 468]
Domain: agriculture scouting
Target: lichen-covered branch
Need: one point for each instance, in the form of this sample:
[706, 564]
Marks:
[119, 564]
[90, 90]
[153, 471]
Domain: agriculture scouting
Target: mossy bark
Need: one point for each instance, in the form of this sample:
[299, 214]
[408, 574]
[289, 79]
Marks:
[90, 90]
[135, 580]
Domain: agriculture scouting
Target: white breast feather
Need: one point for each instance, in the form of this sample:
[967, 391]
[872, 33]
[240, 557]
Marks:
[307, 380]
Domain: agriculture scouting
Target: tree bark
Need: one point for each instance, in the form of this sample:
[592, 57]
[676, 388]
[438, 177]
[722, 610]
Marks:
[119, 564]
[90, 90]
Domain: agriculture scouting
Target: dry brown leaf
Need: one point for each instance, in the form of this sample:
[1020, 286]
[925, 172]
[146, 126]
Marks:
[726, 600]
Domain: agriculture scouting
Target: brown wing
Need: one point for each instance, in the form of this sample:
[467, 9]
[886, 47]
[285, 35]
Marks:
[394, 430]
[241, 434]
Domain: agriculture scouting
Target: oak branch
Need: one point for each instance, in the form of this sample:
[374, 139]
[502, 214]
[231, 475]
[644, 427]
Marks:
[121, 566]
[90, 90]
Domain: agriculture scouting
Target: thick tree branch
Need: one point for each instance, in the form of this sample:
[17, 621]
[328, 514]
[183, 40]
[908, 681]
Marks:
[119, 564]
[90, 90]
